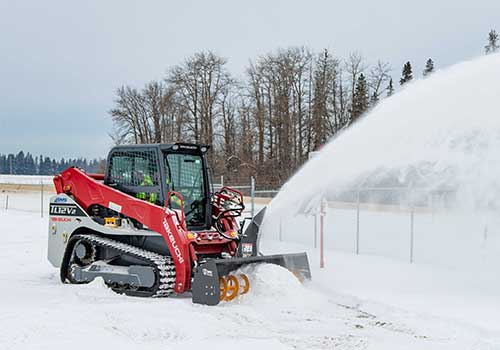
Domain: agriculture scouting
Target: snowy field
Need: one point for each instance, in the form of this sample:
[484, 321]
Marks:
[357, 302]
[26, 201]
[26, 179]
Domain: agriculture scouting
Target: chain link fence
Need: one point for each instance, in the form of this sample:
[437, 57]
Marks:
[405, 223]
[257, 195]
[26, 193]
[409, 224]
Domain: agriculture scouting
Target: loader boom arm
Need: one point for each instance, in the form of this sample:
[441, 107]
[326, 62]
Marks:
[87, 191]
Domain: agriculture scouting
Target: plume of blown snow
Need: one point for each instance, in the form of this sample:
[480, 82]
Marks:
[441, 133]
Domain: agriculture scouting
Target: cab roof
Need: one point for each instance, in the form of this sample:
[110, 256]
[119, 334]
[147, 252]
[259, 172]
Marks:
[202, 148]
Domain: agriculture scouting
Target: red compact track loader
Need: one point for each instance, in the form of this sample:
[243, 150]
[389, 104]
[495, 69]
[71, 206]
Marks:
[152, 226]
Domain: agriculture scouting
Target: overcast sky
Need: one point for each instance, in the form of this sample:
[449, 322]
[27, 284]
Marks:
[61, 61]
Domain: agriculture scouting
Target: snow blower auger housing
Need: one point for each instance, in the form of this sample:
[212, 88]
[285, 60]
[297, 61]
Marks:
[152, 226]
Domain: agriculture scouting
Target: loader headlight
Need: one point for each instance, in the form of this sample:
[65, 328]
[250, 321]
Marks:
[203, 149]
[175, 147]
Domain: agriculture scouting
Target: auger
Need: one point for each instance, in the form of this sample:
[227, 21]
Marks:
[152, 225]
[231, 287]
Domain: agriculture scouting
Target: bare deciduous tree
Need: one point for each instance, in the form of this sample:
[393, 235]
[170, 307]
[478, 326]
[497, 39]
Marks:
[378, 77]
[290, 102]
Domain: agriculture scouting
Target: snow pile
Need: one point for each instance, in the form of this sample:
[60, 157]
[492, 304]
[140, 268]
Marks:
[270, 283]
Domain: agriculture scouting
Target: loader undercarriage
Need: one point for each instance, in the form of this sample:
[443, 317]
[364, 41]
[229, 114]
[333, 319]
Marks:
[143, 274]
[152, 276]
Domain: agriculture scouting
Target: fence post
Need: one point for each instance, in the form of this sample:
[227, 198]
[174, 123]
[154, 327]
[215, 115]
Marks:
[357, 223]
[41, 198]
[222, 181]
[315, 230]
[7, 202]
[252, 194]
[412, 233]
[321, 234]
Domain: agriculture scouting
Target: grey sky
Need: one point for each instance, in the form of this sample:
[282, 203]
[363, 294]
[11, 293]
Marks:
[60, 61]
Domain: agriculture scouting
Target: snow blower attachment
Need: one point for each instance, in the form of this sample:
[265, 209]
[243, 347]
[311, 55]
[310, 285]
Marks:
[151, 226]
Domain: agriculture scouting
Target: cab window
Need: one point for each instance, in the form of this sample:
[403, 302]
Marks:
[133, 168]
[185, 175]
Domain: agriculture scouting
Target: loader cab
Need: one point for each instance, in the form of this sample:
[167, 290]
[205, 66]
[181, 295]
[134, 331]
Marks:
[150, 172]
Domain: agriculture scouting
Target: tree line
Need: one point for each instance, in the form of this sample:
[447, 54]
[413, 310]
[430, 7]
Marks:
[27, 164]
[288, 103]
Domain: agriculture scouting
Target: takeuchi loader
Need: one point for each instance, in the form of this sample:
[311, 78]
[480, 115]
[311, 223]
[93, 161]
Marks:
[152, 226]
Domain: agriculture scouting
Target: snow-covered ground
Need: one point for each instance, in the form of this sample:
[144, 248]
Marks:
[27, 201]
[357, 302]
[26, 179]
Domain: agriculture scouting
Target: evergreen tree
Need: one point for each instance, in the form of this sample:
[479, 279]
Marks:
[25, 164]
[46, 167]
[3, 164]
[62, 165]
[10, 164]
[29, 165]
[390, 88]
[407, 74]
[19, 166]
[429, 67]
[492, 46]
[39, 164]
[361, 99]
